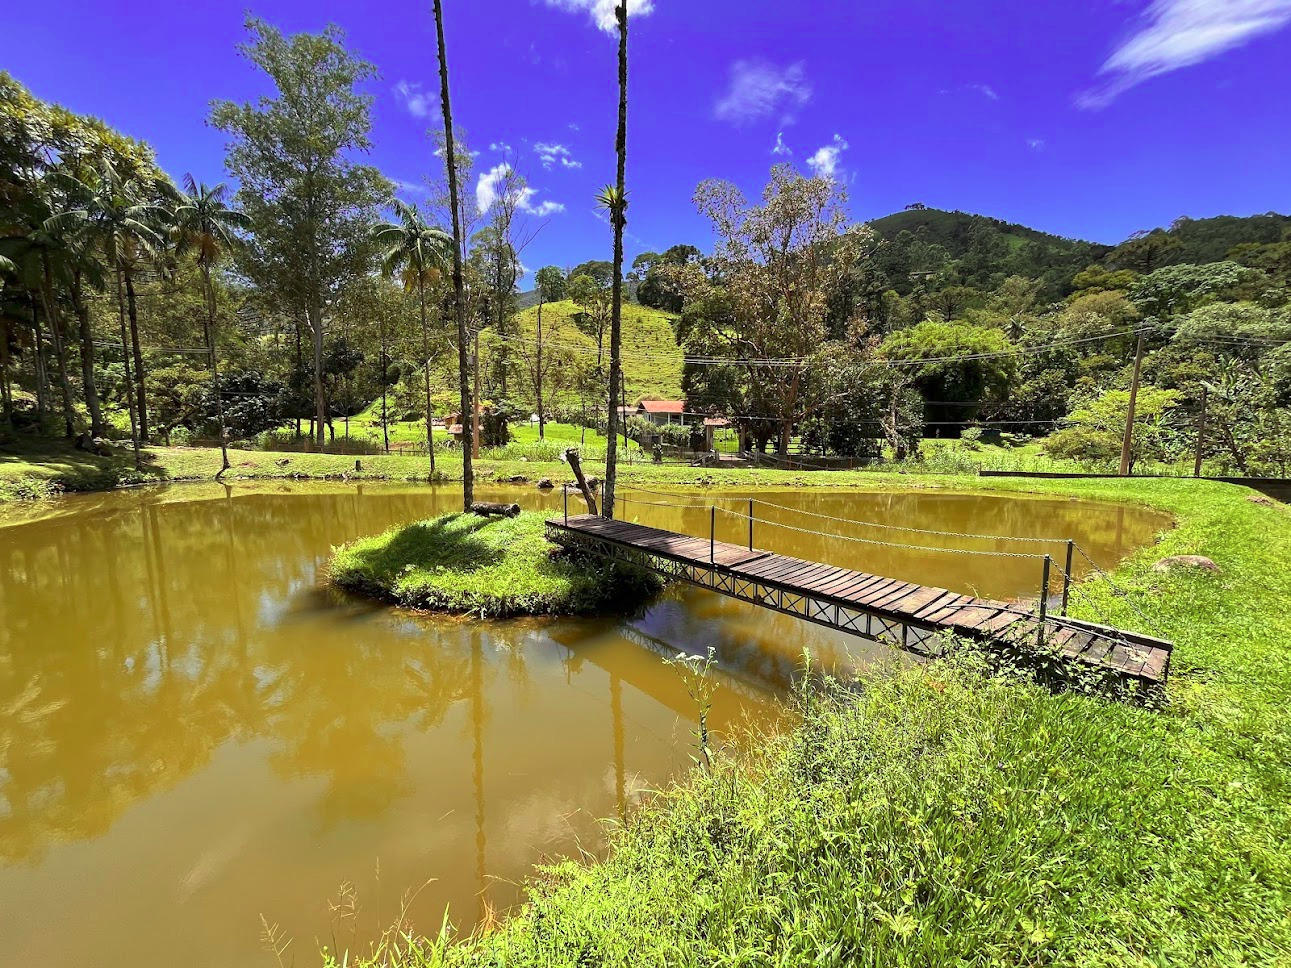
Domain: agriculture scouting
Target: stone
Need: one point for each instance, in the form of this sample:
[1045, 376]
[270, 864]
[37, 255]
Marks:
[1186, 561]
[545, 484]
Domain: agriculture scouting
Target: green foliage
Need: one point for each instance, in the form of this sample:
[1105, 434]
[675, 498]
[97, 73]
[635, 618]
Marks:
[1095, 430]
[486, 566]
[969, 364]
[1181, 288]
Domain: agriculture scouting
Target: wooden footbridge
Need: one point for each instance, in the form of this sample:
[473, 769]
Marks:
[913, 617]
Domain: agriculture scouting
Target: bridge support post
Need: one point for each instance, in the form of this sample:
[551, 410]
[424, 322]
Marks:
[565, 491]
[712, 534]
[750, 524]
[1066, 575]
[1044, 600]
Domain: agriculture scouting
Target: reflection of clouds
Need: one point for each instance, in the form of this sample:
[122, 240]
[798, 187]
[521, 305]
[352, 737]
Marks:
[636, 788]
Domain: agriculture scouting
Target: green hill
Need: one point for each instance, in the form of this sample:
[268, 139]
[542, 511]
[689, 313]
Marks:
[977, 250]
[652, 360]
[1203, 240]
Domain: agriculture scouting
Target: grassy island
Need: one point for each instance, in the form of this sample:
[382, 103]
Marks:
[496, 567]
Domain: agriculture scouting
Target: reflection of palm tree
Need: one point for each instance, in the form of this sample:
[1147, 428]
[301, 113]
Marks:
[477, 762]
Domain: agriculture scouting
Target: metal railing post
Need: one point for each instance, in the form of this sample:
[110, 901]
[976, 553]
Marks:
[1044, 600]
[750, 524]
[712, 534]
[566, 490]
[1066, 575]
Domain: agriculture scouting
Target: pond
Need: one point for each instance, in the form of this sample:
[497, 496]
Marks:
[195, 732]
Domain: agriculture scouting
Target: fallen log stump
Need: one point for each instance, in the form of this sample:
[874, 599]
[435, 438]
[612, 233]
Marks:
[490, 509]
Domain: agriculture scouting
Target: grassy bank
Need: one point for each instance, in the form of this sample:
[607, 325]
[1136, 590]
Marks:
[947, 818]
[485, 566]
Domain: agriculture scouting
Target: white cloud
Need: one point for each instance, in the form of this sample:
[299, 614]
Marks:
[1180, 33]
[489, 186]
[602, 11]
[824, 163]
[780, 147]
[501, 146]
[416, 102]
[410, 188]
[1035, 144]
[985, 90]
[541, 209]
[550, 154]
[758, 90]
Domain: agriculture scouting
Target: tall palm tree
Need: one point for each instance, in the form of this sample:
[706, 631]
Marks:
[614, 199]
[204, 227]
[418, 251]
[459, 285]
[107, 210]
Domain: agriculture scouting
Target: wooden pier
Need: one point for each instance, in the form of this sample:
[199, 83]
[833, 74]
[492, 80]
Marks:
[913, 617]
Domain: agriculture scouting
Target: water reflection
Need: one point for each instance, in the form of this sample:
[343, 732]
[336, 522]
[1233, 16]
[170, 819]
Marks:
[194, 731]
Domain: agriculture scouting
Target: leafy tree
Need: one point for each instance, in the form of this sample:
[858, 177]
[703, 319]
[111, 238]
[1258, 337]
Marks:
[956, 367]
[205, 226]
[420, 253]
[108, 210]
[1095, 279]
[551, 284]
[310, 204]
[777, 263]
[1094, 431]
[600, 271]
[660, 287]
[1145, 252]
[596, 302]
[1181, 288]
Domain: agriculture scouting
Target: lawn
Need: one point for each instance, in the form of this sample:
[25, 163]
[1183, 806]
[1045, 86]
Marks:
[495, 567]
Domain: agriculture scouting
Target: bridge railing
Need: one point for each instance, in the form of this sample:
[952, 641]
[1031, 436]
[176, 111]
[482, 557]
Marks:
[1046, 563]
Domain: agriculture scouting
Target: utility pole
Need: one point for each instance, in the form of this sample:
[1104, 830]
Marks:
[1201, 432]
[1129, 413]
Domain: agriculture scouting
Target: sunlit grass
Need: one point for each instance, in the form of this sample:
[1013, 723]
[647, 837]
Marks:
[487, 566]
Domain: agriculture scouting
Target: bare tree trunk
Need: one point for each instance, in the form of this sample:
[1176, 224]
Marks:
[300, 363]
[616, 319]
[537, 383]
[60, 352]
[38, 360]
[215, 370]
[475, 410]
[385, 383]
[6, 393]
[125, 362]
[320, 392]
[459, 293]
[141, 395]
[425, 354]
[90, 391]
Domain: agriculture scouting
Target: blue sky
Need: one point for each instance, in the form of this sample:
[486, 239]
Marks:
[1090, 119]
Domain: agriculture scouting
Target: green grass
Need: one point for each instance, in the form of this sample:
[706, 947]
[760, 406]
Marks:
[944, 817]
[652, 360]
[487, 566]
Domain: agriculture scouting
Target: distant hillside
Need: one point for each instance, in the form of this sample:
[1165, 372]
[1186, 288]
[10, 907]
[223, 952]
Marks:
[980, 251]
[1205, 240]
[955, 230]
[651, 357]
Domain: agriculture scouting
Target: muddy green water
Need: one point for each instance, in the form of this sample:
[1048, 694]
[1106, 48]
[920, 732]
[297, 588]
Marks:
[194, 731]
